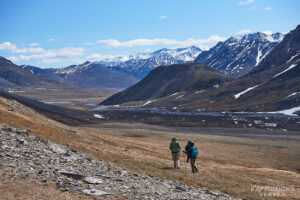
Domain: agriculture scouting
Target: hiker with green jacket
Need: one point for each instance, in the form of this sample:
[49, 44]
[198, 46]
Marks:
[175, 149]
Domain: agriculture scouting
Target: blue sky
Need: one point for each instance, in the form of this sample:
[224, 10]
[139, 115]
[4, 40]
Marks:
[57, 33]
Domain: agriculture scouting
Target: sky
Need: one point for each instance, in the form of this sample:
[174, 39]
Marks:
[58, 33]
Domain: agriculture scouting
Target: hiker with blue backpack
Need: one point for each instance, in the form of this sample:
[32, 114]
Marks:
[192, 153]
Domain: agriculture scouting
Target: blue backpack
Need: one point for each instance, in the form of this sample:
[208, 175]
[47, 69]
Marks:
[194, 152]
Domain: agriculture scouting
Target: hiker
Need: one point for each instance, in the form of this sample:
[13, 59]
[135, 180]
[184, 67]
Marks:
[192, 153]
[175, 149]
[186, 150]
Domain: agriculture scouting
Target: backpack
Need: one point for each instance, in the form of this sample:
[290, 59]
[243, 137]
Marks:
[194, 152]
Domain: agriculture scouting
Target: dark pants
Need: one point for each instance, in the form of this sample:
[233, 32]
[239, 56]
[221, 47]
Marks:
[194, 168]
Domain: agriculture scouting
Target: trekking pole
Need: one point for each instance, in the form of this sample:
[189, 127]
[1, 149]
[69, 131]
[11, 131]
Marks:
[184, 162]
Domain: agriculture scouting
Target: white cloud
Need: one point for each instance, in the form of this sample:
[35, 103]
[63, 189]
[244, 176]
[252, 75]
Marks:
[29, 50]
[269, 8]
[33, 44]
[7, 46]
[244, 31]
[202, 43]
[13, 59]
[246, 2]
[163, 17]
[51, 56]
[267, 32]
[51, 40]
[98, 57]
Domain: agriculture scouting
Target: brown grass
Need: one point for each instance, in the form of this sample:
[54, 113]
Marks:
[20, 189]
[227, 164]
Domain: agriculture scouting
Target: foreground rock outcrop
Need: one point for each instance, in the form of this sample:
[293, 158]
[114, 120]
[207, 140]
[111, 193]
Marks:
[27, 157]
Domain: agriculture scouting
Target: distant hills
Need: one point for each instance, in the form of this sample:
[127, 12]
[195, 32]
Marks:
[12, 75]
[86, 75]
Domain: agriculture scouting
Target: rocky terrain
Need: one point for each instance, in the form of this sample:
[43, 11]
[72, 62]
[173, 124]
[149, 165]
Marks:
[27, 157]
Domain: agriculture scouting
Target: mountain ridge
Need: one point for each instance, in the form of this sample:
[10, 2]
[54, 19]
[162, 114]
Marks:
[239, 55]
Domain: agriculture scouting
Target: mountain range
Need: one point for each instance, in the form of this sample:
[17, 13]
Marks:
[234, 57]
[118, 73]
[273, 85]
[140, 65]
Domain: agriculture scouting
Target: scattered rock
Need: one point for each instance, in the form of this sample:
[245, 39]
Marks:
[94, 192]
[73, 175]
[25, 156]
[179, 188]
[93, 180]
[57, 149]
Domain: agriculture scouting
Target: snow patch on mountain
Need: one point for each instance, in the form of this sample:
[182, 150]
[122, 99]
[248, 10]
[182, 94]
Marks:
[292, 58]
[289, 68]
[245, 91]
[259, 54]
[73, 68]
[293, 94]
[239, 55]
[290, 111]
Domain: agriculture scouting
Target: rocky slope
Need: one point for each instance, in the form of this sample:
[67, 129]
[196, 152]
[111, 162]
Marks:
[168, 80]
[238, 55]
[27, 157]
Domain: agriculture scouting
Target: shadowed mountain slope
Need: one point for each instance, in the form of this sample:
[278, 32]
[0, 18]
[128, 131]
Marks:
[167, 80]
[12, 75]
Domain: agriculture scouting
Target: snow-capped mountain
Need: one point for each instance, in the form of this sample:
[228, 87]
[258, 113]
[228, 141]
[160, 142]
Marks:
[238, 55]
[140, 64]
[116, 72]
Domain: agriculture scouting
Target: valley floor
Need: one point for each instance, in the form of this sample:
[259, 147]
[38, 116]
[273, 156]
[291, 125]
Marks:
[252, 168]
